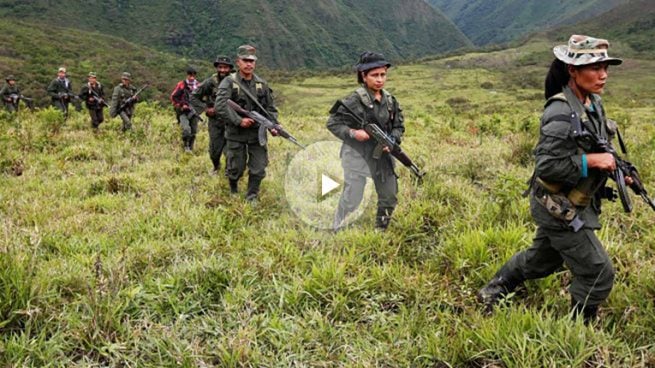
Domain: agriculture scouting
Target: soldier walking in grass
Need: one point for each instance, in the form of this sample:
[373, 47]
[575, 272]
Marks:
[60, 91]
[10, 94]
[568, 182]
[123, 100]
[203, 99]
[186, 114]
[359, 157]
[93, 95]
[250, 92]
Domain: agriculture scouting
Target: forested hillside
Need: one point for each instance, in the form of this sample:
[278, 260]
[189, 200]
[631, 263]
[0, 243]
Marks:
[630, 26]
[496, 21]
[33, 53]
[288, 33]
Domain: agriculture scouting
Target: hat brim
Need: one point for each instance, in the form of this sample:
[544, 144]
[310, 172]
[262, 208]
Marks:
[253, 58]
[217, 63]
[561, 53]
[373, 65]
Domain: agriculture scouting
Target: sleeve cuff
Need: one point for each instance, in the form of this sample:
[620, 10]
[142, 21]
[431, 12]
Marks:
[584, 167]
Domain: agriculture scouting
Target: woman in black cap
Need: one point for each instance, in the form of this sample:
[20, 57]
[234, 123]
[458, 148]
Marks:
[360, 155]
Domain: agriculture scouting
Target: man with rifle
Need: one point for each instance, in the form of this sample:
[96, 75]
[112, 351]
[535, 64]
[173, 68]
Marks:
[370, 123]
[123, 99]
[203, 99]
[60, 91]
[252, 93]
[186, 114]
[93, 95]
[11, 95]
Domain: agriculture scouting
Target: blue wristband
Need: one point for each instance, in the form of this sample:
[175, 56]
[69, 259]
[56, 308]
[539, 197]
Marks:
[585, 168]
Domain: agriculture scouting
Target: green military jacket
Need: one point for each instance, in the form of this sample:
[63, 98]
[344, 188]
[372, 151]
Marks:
[358, 156]
[58, 86]
[90, 100]
[228, 89]
[559, 160]
[204, 96]
[120, 94]
[7, 91]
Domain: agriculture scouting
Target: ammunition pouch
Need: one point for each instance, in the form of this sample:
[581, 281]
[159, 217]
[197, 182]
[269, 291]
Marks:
[557, 204]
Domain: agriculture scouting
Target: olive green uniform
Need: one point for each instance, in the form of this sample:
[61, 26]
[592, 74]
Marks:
[560, 164]
[243, 147]
[92, 104]
[203, 98]
[121, 93]
[7, 92]
[357, 158]
[61, 93]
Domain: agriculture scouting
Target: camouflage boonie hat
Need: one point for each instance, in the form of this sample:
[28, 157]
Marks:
[370, 60]
[223, 60]
[246, 52]
[10, 77]
[92, 75]
[585, 50]
[126, 75]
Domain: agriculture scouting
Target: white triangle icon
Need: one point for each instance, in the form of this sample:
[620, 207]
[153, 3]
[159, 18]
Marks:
[328, 185]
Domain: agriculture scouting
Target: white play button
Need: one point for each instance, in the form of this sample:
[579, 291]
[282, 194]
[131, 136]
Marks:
[328, 185]
[313, 182]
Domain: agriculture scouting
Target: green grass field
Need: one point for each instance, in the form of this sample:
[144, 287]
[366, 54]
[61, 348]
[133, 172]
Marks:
[121, 251]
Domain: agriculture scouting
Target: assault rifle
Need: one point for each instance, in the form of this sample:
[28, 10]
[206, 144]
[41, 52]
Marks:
[65, 97]
[193, 113]
[383, 139]
[99, 99]
[131, 100]
[15, 99]
[623, 167]
[264, 124]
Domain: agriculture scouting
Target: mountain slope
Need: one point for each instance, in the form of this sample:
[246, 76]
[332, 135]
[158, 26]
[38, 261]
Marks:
[496, 21]
[289, 33]
[631, 24]
[34, 52]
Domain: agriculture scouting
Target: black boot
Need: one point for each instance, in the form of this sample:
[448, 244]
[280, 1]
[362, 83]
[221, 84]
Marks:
[383, 218]
[253, 188]
[234, 186]
[500, 285]
[185, 144]
[217, 166]
[589, 313]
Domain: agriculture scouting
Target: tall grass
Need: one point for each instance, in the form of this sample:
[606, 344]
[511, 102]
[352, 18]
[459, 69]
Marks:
[120, 250]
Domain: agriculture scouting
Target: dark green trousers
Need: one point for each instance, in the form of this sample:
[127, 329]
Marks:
[583, 254]
[97, 117]
[216, 141]
[240, 154]
[386, 187]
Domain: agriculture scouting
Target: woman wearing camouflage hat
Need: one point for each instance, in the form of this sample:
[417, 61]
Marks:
[359, 157]
[568, 182]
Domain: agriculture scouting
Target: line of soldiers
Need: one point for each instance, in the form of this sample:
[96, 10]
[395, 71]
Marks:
[60, 91]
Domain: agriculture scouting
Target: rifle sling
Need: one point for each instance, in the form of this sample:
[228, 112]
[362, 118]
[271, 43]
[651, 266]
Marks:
[252, 98]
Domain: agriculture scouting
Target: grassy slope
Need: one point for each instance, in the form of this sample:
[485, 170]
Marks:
[289, 33]
[33, 53]
[121, 251]
[497, 21]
